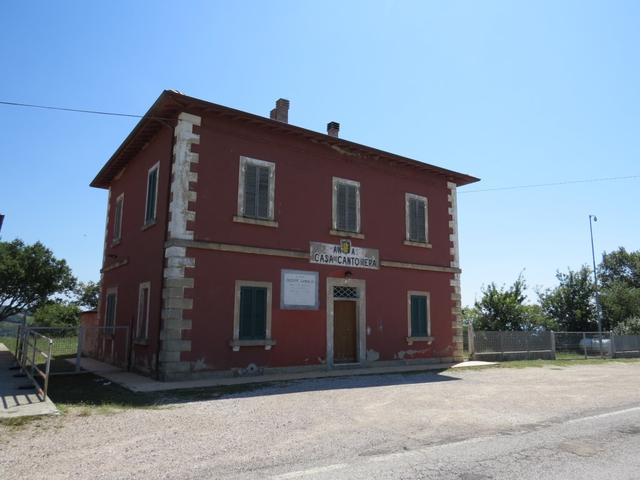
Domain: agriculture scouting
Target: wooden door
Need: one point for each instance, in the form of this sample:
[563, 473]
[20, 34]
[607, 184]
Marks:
[345, 335]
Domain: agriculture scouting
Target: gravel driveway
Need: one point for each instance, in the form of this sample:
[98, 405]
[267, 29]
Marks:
[275, 430]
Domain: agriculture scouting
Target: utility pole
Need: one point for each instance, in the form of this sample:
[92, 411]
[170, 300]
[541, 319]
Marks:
[593, 218]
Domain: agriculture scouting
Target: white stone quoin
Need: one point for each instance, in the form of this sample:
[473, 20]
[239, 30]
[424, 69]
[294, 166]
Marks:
[456, 310]
[174, 303]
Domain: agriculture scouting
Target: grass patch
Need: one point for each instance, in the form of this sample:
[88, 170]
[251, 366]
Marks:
[579, 356]
[87, 394]
[9, 342]
[566, 362]
[62, 346]
[559, 362]
[18, 422]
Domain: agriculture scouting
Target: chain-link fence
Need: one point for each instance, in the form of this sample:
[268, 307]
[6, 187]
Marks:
[9, 334]
[64, 349]
[105, 344]
[626, 345]
[71, 345]
[501, 346]
[583, 345]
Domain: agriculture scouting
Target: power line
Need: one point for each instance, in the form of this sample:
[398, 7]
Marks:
[131, 115]
[78, 110]
[551, 184]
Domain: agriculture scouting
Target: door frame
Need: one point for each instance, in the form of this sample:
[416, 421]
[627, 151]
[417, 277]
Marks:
[361, 316]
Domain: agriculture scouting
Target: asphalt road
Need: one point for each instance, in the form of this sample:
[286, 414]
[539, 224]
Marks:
[603, 446]
[580, 422]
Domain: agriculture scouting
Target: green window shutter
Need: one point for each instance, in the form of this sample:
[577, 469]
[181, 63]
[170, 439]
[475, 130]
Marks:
[117, 225]
[421, 218]
[253, 313]
[259, 313]
[143, 313]
[250, 190]
[417, 219]
[419, 316]
[262, 210]
[347, 207]
[352, 208]
[341, 202]
[412, 219]
[111, 310]
[152, 181]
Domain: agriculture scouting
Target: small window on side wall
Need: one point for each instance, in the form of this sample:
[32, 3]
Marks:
[151, 207]
[110, 309]
[117, 219]
[256, 189]
[142, 325]
[346, 205]
[416, 219]
[418, 313]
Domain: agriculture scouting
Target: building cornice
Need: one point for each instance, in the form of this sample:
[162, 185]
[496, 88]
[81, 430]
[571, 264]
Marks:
[299, 254]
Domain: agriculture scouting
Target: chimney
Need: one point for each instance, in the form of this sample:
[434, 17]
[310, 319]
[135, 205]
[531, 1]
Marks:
[281, 112]
[333, 128]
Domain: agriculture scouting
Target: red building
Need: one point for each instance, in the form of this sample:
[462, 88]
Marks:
[236, 242]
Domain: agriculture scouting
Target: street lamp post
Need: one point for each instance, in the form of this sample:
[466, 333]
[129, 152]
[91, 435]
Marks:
[593, 218]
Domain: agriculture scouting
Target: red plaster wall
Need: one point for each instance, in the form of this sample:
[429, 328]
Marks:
[303, 203]
[304, 172]
[303, 208]
[301, 334]
[143, 248]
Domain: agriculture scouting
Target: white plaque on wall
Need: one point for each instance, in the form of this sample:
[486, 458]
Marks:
[299, 290]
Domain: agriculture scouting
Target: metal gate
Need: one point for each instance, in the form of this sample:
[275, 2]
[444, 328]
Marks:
[70, 345]
[33, 354]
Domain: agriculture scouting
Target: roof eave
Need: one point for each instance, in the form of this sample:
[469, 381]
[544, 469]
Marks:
[100, 180]
[180, 101]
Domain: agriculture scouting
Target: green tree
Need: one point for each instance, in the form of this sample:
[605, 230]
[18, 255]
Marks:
[619, 302]
[536, 319]
[619, 275]
[620, 266]
[469, 315]
[57, 314]
[29, 276]
[501, 308]
[630, 326]
[87, 294]
[571, 304]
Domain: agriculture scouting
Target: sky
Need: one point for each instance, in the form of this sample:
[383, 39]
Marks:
[516, 93]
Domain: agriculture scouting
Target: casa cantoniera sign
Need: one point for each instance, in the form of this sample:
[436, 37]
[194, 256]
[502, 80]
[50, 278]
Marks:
[344, 255]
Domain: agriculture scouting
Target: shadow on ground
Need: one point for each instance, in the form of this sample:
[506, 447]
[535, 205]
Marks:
[90, 390]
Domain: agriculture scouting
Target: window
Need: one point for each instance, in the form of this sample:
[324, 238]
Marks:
[252, 315]
[346, 205]
[345, 292]
[152, 195]
[117, 219]
[416, 219]
[110, 309]
[418, 310]
[142, 325]
[256, 189]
